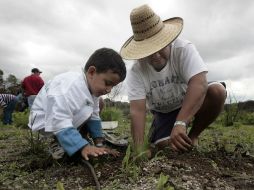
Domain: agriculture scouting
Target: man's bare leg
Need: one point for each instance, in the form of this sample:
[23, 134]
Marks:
[209, 111]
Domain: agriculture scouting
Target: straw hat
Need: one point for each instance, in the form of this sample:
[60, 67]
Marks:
[151, 34]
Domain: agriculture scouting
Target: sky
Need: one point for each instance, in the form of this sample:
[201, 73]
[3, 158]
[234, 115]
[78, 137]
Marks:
[57, 36]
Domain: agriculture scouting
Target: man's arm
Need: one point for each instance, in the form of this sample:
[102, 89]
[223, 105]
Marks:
[138, 114]
[193, 100]
[40, 82]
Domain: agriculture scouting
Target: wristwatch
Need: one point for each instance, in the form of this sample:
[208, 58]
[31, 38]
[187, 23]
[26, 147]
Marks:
[182, 123]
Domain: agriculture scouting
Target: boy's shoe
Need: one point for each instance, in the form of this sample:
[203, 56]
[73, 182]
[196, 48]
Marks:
[111, 138]
[99, 141]
[56, 150]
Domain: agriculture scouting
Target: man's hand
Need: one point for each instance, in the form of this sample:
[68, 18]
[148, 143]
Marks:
[94, 151]
[179, 141]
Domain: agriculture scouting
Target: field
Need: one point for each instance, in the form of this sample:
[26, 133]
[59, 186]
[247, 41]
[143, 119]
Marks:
[223, 160]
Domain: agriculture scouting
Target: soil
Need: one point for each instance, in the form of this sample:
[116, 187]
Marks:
[21, 169]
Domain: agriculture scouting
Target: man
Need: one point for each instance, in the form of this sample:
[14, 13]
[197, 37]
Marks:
[32, 85]
[169, 77]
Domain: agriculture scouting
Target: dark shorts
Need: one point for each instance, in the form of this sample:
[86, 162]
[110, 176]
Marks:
[162, 126]
[163, 123]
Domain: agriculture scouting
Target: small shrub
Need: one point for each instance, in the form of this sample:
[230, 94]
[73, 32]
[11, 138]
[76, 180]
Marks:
[111, 114]
[129, 167]
[59, 186]
[161, 185]
[149, 117]
[21, 119]
[237, 124]
[36, 144]
[247, 118]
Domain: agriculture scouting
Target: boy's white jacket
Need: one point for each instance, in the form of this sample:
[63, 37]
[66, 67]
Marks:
[63, 102]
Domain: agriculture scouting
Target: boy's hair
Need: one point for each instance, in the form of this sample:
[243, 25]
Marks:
[105, 59]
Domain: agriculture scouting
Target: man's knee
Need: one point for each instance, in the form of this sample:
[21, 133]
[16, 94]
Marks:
[217, 93]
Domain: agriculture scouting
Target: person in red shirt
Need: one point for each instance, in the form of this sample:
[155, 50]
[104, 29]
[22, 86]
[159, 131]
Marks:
[32, 85]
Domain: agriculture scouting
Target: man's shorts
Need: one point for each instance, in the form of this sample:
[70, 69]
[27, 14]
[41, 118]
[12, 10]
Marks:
[163, 123]
[162, 126]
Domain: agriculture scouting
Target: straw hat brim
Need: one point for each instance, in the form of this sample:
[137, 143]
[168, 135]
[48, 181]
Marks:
[133, 49]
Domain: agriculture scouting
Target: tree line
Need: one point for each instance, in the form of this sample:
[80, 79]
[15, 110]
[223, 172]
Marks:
[10, 85]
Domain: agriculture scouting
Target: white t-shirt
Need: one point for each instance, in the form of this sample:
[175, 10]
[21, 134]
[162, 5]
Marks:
[63, 102]
[165, 90]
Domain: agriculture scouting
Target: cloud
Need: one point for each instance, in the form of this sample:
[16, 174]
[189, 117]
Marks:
[57, 36]
[234, 68]
[220, 29]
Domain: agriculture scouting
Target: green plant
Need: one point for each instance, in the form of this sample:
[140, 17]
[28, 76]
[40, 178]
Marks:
[129, 167]
[247, 118]
[237, 124]
[162, 183]
[36, 144]
[21, 119]
[111, 114]
[59, 186]
[149, 117]
[125, 162]
[232, 111]
[10, 133]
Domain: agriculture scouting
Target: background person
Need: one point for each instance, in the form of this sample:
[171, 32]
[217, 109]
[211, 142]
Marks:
[8, 103]
[32, 85]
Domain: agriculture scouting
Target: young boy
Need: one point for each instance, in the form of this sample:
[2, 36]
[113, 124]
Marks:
[70, 102]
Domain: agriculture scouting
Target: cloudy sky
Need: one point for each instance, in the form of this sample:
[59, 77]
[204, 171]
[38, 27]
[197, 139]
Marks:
[59, 35]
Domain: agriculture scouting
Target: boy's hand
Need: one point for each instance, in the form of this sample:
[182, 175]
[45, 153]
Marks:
[94, 151]
[113, 152]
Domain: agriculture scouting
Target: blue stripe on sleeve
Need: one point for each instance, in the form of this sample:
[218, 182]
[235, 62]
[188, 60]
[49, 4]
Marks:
[71, 140]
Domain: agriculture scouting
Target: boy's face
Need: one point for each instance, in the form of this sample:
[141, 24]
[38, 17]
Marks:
[101, 83]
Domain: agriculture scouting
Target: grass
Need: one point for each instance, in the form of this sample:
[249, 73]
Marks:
[217, 136]
[161, 184]
[29, 147]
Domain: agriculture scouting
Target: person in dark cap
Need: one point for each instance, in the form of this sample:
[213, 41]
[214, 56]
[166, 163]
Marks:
[36, 70]
[32, 85]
